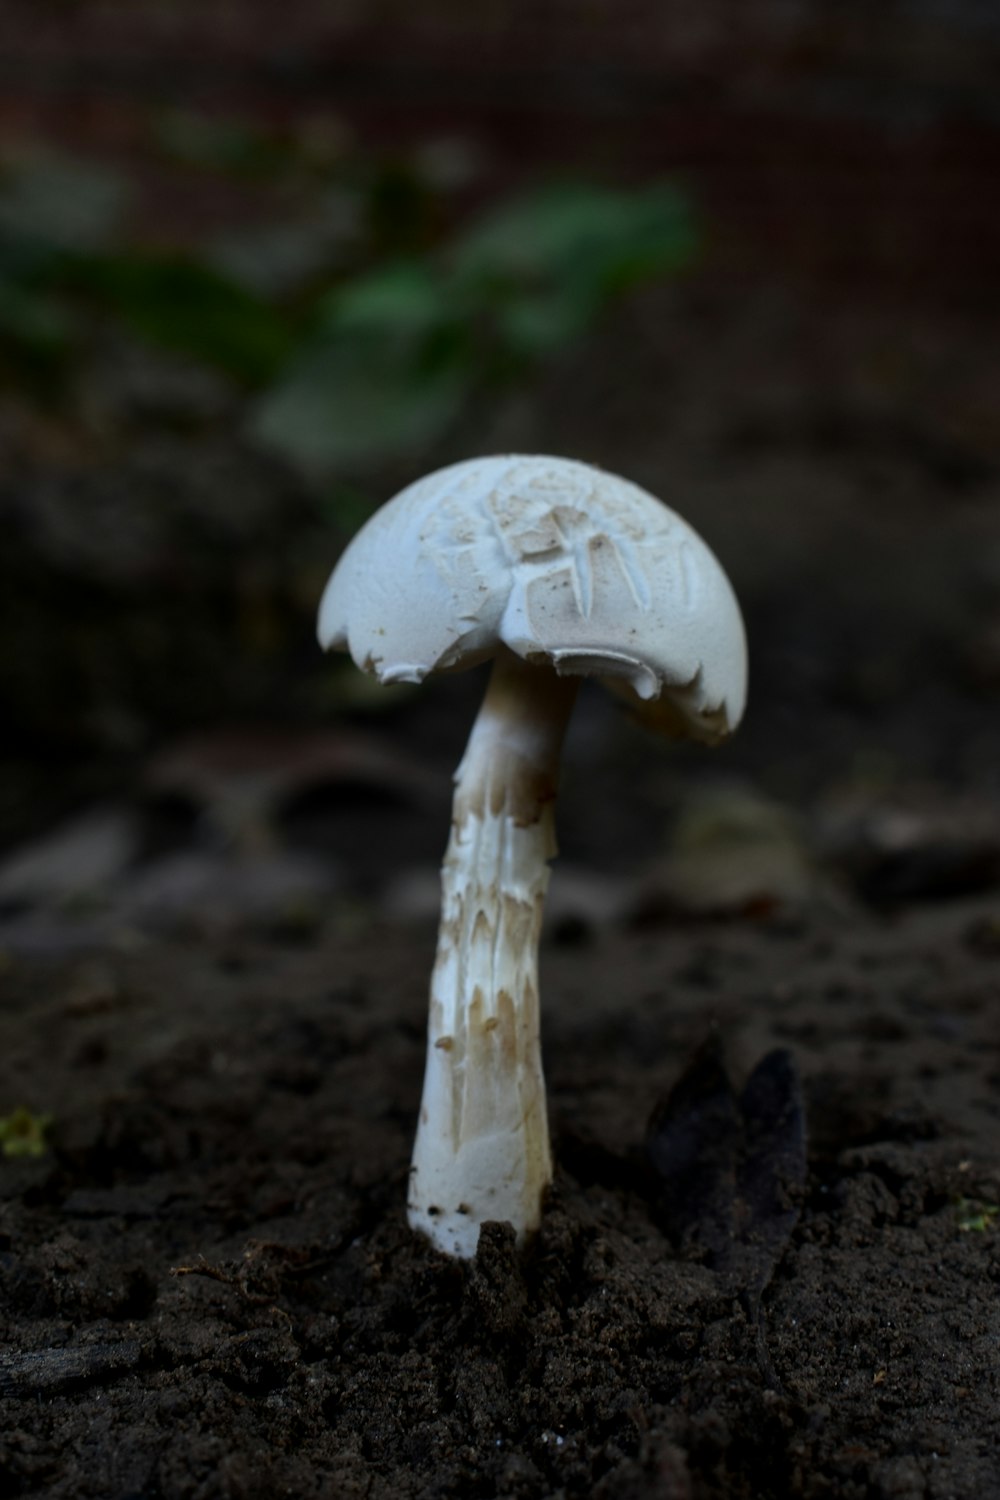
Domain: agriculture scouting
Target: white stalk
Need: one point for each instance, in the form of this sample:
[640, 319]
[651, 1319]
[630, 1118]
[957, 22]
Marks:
[482, 1146]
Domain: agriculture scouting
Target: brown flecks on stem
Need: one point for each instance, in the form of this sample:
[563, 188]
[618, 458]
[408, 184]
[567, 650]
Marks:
[519, 920]
[530, 1010]
[506, 1021]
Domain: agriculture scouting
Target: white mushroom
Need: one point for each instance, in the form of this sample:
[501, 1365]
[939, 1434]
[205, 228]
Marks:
[556, 571]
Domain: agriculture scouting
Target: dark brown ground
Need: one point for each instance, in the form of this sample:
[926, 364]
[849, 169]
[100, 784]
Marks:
[209, 1288]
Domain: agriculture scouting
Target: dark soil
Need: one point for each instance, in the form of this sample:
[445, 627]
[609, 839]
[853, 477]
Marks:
[209, 1287]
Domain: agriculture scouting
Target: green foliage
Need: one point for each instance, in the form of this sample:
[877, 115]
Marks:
[396, 354]
[229, 146]
[383, 371]
[23, 1133]
[975, 1217]
[180, 304]
[348, 404]
[49, 203]
[50, 209]
[60, 264]
[402, 209]
[34, 330]
[363, 335]
[550, 263]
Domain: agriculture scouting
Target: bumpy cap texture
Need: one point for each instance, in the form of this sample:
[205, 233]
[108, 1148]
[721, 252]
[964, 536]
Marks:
[560, 562]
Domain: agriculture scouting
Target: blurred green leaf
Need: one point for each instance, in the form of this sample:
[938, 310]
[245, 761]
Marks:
[530, 327]
[382, 362]
[597, 240]
[183, 305]
[33, 326]
[543, 268]
[228, 145]
[352, 402]
[402, 209]
[59, 202]
[397, 352]
[385, 372]
[276, 259]
[404, 298]
[51, 208]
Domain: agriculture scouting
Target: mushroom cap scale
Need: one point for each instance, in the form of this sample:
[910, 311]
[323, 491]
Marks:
[558, 561]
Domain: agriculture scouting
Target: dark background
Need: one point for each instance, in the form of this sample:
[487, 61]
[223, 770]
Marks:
[812, 383]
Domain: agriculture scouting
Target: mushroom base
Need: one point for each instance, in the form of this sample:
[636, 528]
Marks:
[482, 1147]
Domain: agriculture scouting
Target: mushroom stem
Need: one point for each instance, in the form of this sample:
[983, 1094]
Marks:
[482, 1146]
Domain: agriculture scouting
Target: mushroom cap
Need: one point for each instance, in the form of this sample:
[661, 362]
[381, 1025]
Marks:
[558, 561]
